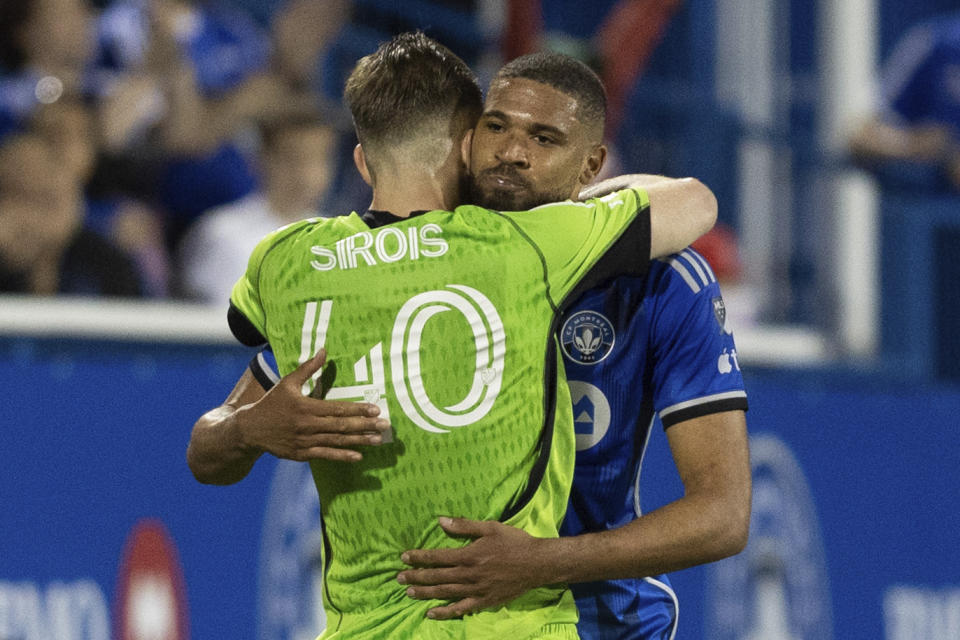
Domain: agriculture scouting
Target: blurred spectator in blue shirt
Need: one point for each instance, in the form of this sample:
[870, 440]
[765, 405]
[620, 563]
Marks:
[913, 141]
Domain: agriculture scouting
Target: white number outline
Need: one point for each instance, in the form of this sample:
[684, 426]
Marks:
[489, 338]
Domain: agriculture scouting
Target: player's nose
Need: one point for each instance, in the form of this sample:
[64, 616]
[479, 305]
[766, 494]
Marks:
[513, 151]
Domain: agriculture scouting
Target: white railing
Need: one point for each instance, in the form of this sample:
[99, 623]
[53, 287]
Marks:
[100, 318]
[181, 322]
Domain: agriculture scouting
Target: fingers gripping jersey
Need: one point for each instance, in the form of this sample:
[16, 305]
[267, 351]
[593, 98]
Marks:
[446, 321]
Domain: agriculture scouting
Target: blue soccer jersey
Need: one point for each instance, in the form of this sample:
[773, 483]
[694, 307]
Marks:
[634, 350]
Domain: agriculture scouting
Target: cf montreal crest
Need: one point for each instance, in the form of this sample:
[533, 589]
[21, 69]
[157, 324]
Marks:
[587, 337]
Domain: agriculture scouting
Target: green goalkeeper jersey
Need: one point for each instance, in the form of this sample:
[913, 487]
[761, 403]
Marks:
[446, 320]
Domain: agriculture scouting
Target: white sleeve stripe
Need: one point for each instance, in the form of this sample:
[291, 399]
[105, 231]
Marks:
[728, 395]
[636, 478]
[696, 257]
[704, 280]
[267, 369]
[676, 603]
[682, 270]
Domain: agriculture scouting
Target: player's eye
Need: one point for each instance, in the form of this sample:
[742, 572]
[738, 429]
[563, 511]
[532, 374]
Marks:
[496, 127]
[544, 140]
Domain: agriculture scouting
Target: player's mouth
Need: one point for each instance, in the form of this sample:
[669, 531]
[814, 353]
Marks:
[508, 181]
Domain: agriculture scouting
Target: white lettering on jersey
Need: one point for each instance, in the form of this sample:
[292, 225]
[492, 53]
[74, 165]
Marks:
[386, 245]
[359, 245]
[489, 338]
[438, 246]
[329, 258]
[403, 355]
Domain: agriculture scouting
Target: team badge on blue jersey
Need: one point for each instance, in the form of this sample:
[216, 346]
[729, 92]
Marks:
[587, 337]
[720, 312]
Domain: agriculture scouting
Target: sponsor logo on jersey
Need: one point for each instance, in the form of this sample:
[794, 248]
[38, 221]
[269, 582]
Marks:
[151, 597]
[587, 337]
[388, 244]
[591, 413]
[727, 361]
[777, 588]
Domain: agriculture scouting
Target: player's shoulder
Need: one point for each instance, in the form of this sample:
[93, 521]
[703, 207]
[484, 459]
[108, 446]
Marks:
[686, 270]
[279, 235]
[319, 230]
[273, 245]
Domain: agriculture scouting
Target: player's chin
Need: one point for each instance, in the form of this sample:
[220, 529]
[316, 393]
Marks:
[504, 199]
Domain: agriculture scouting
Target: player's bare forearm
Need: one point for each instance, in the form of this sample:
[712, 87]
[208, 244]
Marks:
[681, 209]
[227, 441]
[710, 522]
[216, 453]
[488, 573]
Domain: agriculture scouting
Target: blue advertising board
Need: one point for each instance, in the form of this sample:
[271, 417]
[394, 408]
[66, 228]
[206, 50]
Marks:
[855, 513]
[854, 533]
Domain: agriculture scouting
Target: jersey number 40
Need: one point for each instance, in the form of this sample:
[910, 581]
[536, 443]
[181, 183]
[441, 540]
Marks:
[403, 352]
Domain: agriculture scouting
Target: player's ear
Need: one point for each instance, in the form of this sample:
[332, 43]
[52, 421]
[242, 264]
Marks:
[360, 159]
[465, 145]
[592, 164]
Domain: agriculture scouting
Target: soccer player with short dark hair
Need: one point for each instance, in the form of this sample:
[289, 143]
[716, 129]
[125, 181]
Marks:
[634, 349]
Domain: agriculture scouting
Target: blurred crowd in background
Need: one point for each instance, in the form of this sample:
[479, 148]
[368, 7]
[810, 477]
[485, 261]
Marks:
[146, 145]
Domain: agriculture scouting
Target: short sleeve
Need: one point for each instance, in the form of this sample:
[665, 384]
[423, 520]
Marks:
[245, 295]
[583, 243]
[696, 371]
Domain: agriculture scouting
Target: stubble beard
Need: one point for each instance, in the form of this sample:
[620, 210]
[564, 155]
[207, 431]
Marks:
[508, 199]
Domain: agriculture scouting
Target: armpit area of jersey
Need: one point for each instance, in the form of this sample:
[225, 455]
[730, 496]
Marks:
[242, 329]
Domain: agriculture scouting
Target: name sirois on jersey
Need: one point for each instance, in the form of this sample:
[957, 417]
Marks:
[388, 244]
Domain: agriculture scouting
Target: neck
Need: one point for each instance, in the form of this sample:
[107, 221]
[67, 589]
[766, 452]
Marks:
[407, 193]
